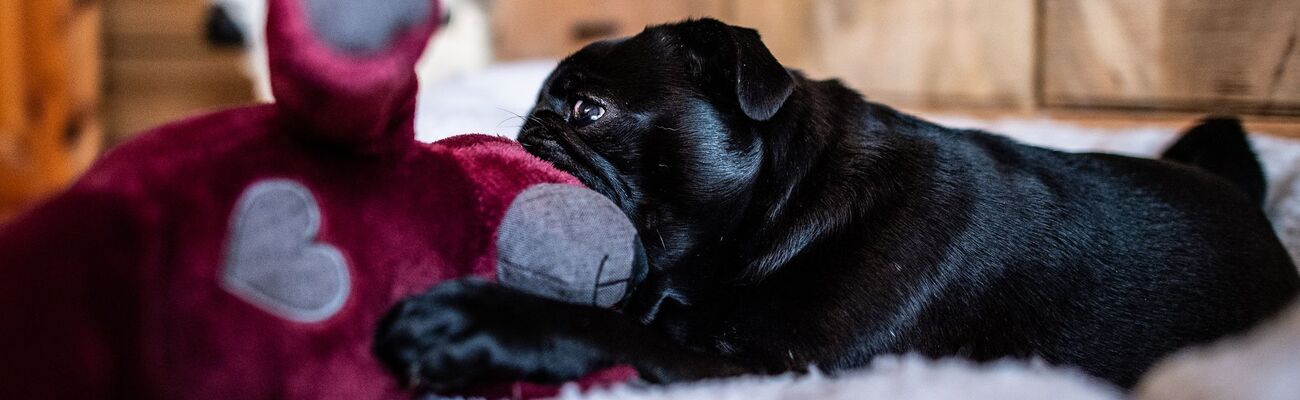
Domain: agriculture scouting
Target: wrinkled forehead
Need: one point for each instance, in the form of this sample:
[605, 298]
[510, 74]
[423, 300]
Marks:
[637, 66]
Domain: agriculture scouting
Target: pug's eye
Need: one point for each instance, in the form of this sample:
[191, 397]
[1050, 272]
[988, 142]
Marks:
[585, 112]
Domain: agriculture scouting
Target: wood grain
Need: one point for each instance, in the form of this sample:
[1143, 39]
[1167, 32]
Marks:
[919, 52]
[49, 130]
[13, 77]
[159, 68]
[1214, 56]
[786, 27]
[923, 53]
[929, 52]
[155, 17]
[556, 28]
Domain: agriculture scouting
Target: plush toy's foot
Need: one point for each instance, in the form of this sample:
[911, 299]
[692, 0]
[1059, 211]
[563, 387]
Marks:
[569, 243]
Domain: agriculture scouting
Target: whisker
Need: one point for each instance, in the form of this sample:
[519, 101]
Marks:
[513, 115]
[528, 118]
[508, 119]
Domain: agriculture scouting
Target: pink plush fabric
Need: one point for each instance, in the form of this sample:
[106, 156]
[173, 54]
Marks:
[113, 289]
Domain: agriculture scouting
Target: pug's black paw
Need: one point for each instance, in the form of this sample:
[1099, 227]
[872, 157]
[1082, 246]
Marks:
[468, 332]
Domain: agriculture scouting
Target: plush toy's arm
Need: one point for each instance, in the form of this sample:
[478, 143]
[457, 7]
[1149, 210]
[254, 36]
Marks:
[68, 296]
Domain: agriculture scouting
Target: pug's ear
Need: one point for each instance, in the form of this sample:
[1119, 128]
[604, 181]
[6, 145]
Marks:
[761, 84]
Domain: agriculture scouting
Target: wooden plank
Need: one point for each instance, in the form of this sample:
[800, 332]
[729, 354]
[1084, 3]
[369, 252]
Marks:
[49, 101]
[181, 74]
[85, 131]
[133, 113]
[920, 52]
[85, 65]
[145, 93]
[785, 26]
[1195, 55]
[163, 46]
[165, 17]
[13, 90]
[556, 28]
[57, 134]
[13, 109]
[159, 67]
[915, 52]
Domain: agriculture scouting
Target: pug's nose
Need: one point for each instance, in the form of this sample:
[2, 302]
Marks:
[544, 118]
[529, 139]
[538, 128]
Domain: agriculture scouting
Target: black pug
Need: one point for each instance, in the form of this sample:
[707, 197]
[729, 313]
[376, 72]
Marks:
[788, 222]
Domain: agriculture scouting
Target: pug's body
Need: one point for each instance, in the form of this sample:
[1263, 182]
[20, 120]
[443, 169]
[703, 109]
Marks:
[788, 222]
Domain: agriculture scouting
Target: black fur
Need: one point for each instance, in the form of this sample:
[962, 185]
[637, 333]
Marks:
[788, 222]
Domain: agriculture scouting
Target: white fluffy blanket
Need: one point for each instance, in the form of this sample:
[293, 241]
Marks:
[1264, 365]
[887, 378]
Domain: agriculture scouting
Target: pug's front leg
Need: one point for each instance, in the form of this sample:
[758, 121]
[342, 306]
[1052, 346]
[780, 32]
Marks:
[468, 331]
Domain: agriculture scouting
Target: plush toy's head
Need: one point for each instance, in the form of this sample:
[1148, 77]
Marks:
[249, 253]
[345, 68]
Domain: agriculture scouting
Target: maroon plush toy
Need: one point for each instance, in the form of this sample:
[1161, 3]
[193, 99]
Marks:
[248, 254]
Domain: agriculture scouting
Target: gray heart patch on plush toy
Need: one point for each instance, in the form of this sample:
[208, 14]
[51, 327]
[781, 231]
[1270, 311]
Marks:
[273, 260]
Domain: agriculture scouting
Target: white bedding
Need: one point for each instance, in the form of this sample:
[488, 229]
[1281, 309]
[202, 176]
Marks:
[488, 101]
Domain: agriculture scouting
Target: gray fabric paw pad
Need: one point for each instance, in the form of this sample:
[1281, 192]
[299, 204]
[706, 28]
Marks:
[568, 243]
